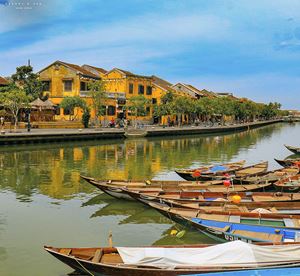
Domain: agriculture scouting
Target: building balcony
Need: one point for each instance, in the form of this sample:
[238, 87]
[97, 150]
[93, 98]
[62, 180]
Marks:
[84, 93]
[109, 95]
[116, 95]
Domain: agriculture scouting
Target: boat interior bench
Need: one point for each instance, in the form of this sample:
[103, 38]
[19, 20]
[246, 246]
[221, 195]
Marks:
[112, 258]
[261, 236]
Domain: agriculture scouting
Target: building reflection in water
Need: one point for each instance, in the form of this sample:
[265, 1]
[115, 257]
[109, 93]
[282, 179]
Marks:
[54, 169]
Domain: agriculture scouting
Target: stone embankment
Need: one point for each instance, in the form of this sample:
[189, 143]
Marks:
[58, 135]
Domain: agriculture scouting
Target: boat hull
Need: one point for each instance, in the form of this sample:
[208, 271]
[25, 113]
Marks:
[293, 149]
[111, 270]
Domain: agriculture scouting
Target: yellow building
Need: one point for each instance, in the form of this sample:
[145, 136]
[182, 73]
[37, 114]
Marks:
[123, 84]
[63, 79]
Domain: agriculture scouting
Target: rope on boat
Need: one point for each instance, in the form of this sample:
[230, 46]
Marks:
[90, 273]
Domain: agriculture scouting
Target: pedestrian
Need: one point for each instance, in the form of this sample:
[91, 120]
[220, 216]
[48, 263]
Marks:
[169, 121]
[125, 123]
[2, 122]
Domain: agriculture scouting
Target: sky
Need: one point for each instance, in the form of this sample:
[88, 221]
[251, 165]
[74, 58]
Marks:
[248, 48]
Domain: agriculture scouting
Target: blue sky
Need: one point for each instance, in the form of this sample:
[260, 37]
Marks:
[250, 48]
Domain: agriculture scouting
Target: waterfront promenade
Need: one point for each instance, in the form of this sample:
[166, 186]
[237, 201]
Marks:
[57, 135]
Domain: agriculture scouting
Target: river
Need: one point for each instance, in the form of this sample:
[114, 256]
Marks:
[44, 202]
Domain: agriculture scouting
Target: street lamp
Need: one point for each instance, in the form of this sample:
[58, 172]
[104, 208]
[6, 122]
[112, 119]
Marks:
[28, 119]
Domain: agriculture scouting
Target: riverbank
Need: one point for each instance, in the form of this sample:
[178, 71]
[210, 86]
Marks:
[57, 135]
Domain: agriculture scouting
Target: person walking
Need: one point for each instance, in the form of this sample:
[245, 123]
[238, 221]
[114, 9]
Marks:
[2, 122]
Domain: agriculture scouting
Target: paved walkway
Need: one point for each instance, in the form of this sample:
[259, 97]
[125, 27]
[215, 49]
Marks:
[51, 131]
[48, 135]
[45, 131]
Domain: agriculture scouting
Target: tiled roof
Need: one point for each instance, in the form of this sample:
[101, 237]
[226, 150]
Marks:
[129, 74]
[100, 70]
[196, 90]
[3, 81]
[229, 95]
[208, 93]
[75, 67]
[161, 82]
[79, 69]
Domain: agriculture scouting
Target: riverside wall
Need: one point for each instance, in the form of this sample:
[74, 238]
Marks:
[59, 135]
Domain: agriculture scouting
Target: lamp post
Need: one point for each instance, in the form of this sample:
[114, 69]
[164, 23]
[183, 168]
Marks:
[28, 119]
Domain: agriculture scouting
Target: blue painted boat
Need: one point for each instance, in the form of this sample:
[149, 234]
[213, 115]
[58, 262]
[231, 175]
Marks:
[229, 231]
[231, 227]
[257, 272]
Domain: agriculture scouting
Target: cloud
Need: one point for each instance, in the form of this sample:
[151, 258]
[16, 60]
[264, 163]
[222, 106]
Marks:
[153, 29]
[264, 87]
[17, 14]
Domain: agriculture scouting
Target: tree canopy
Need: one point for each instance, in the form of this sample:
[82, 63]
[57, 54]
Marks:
[29, 81]
[13, 100]
[72, 104]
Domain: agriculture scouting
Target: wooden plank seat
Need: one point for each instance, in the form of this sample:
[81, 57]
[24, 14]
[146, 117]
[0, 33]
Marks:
[295, 196]
[172, 196]
[192, 205]
[189, 213]
[235, 219]
[152, 189]
[243, 209]
[257, 235]
[111, 259]
[273, 210]
[288, 222]
[65, 251]
[213, 217]
[258, 198]
[224, 229]
[97, 256]
[296, 222]
[151, 194]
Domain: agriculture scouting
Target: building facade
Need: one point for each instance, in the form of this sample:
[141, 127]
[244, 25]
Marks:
[63, 79]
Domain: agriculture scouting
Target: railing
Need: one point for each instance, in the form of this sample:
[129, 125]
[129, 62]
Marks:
[110, 95]
[84, 93]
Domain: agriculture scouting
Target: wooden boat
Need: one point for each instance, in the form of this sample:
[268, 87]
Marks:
[177, 260]
[208, 172]
[119, 192]
[291, 208]
[257, 169]
[270, 176]
[258, 199]
[152, 183]
[288, 162]
[261, 272]
[249, 227]
[289, 184]
[293, 149]
[277, 207]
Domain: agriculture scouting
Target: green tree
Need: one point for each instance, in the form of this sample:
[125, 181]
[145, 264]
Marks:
[181, 106]
[72, 104]
[13, 100]
[29, 81]
[86, 117]
[97, 92]
[166, 107]
[205, 108]
[137, 106]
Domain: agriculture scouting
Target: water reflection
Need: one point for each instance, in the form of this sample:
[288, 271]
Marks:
[54, 169]
[293, 156]
[190, 237]
[43, 200]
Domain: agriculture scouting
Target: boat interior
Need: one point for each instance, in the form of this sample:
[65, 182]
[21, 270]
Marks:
[262, 232]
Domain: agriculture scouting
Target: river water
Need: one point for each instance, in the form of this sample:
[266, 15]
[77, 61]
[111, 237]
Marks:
[44, 202]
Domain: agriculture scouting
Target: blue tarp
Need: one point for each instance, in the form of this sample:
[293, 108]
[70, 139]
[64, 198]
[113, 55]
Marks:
[218, 168]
